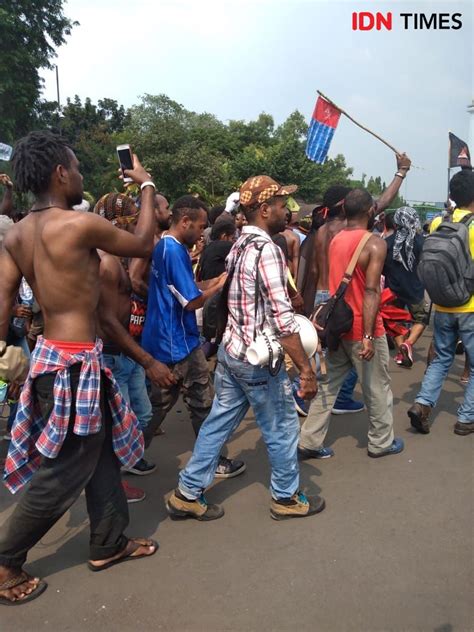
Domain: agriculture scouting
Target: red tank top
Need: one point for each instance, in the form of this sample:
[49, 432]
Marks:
[341, 249]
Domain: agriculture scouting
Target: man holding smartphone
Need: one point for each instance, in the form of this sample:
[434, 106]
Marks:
[73, 429]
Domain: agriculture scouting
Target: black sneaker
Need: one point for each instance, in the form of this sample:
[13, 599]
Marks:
[142, 468]
[459, 348]
[227, 468]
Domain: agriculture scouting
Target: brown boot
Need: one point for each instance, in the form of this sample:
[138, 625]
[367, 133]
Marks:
[419, 414]
[464, 428]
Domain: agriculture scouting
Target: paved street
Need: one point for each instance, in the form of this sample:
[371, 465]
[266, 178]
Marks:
[392, 551]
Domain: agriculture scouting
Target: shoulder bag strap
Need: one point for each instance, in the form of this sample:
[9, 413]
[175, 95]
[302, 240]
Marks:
[467, 219]
[257, 284]
[346, 279]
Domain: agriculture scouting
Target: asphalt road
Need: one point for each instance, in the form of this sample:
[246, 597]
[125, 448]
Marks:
[392, 551]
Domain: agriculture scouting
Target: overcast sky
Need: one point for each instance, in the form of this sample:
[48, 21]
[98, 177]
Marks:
[237, 58]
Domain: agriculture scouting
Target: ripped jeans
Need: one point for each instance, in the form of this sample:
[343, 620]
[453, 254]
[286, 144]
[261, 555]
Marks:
[239, 385]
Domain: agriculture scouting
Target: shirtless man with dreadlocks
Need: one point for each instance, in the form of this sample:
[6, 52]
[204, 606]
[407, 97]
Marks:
[73, 430]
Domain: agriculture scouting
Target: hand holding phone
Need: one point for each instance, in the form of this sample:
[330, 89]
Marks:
[136, 172]
[125, 158]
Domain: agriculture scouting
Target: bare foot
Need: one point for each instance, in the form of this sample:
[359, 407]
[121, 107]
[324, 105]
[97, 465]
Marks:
[15, 584]
[136, 548]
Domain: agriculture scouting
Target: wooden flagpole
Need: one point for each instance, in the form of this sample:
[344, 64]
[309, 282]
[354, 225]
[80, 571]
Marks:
[366, 129]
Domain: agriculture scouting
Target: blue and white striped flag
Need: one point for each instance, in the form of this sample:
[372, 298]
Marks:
[321, 130]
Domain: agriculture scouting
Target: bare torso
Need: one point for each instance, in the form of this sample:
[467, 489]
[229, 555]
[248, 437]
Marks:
[62, 270]
[119, 288]
[323, 239]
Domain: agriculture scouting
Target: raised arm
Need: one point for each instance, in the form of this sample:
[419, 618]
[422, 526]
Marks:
[101, 234]
[377, 252]
[6, 206]
[387, 197]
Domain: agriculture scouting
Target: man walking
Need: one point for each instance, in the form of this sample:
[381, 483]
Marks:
[364, 348]
[171, 334]
[450, 325]
[257, 298]
[73, 429]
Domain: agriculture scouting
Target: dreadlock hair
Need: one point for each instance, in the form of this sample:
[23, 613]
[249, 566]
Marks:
[187, 206]
[35, 158]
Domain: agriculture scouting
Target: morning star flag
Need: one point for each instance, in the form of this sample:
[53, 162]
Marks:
[321, 130]
[459, 155]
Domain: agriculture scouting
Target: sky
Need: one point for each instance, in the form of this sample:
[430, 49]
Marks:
[237, 58]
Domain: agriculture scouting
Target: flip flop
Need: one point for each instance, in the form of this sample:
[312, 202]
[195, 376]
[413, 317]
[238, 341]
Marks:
[125, 558]
[16, 581]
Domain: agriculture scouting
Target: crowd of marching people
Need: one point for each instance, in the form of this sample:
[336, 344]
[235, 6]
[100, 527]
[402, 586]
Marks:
[109, 314]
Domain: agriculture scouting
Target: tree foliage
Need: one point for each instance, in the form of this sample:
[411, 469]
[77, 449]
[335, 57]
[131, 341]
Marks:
[29, 32]
[189, 152]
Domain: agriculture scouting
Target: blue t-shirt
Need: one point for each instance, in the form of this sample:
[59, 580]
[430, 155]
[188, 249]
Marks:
[171, 332]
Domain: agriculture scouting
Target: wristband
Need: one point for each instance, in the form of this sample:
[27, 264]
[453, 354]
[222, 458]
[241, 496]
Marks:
[400, 175]
[307, 379]
[368, 337]
[148, 183]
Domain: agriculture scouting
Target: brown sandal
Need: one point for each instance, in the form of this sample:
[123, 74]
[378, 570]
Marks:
[130, 556]
[17, 581]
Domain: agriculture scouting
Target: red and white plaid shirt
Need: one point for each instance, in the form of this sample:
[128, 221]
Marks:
[274, 310]
[33, 436]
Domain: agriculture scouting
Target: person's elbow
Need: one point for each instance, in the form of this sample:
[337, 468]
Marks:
[145, 246]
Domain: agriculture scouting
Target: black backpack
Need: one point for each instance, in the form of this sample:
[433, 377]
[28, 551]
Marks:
[446, 268]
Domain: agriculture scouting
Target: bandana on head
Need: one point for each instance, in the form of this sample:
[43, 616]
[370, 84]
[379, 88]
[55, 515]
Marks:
[408, 224]
[118, 208]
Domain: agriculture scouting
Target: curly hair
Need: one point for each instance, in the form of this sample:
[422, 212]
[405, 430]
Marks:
[35, 157]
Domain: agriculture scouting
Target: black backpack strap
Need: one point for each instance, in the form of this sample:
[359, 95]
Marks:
[467, 219]
[260, 248]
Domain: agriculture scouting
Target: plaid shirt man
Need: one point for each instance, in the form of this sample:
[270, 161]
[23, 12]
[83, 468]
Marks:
[33, 437]
[274, 310]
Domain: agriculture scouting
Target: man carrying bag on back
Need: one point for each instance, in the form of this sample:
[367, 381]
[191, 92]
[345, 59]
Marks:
[447, 270]
[363, 346]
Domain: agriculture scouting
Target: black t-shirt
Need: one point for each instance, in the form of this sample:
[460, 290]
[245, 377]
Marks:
[404, 283]
[213, 259]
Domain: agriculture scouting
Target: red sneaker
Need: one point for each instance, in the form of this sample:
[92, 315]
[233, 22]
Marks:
[406, 351]
[398, 359]
[133, 494]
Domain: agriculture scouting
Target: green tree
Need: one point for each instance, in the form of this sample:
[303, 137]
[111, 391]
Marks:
[29, 31]
[93, 131]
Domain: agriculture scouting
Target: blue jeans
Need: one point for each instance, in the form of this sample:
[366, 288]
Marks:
[131, 378]
[346, 392]
[448, 329]
[239, 385]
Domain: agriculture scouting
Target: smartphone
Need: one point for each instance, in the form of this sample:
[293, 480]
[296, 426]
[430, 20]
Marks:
[125, 158]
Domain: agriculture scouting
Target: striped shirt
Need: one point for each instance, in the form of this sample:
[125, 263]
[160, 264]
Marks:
[274, 310]
[34, 437]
